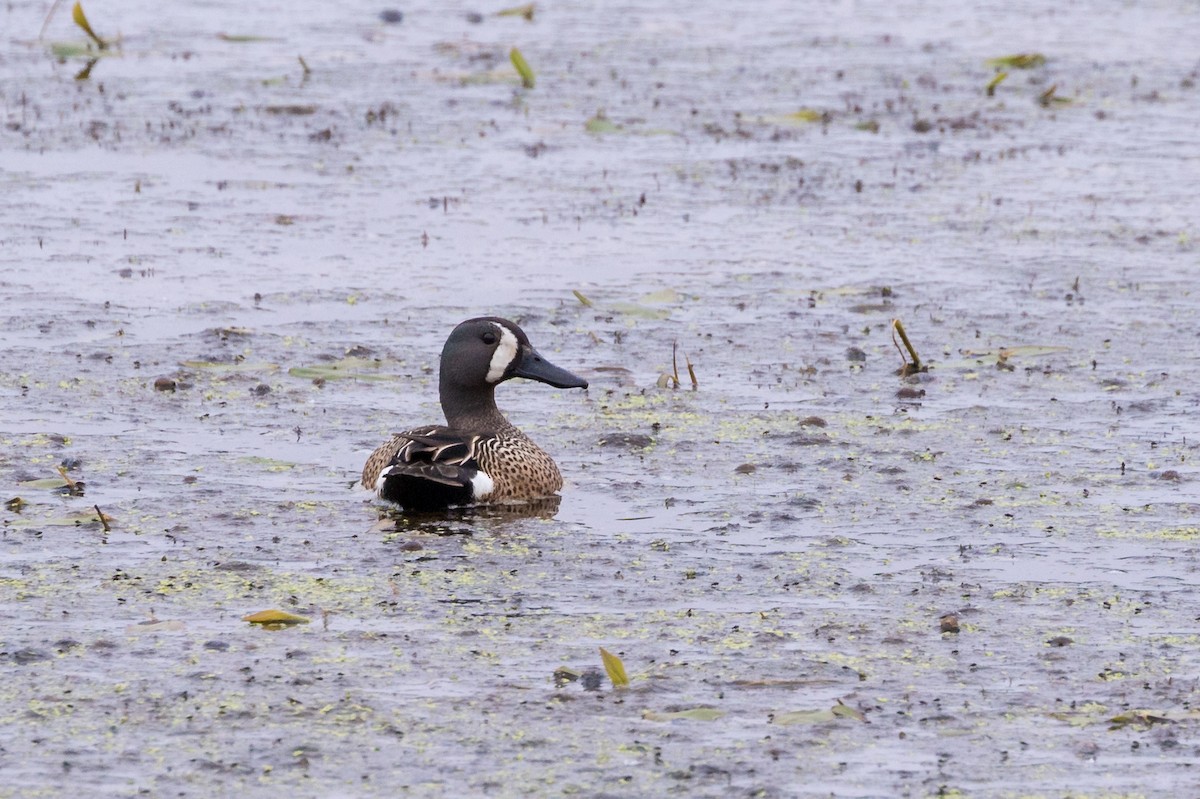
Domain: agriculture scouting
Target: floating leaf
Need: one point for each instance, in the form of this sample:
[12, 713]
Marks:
[525, 11]
[155, 626]
[86, 72]
[1018, 61]
[522, 67]
[1138, 718]
[71, 520]
[665, 295]
[846, 712]
[693, 714]
[345, 369]
[804, 717]
[231, 366]
[270, 464]
[230, 37]
[600, 124]
[640, 311]
[45, 483]
[564, 675]
[1050, 97]
[805, 116]
[1024, 351]
[615, 668]
[275, 618]
[82, 21]
[838, 711]
[63, 50]
[869, 125]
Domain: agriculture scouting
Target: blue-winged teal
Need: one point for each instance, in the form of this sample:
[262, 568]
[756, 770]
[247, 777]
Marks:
[479, 456]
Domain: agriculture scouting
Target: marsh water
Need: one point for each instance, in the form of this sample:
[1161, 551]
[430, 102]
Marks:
[231, 252]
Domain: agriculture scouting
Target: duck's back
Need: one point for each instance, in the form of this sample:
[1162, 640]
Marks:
[436, 467]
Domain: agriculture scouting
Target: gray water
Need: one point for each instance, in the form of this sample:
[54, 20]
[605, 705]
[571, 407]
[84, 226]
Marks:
[764, 186]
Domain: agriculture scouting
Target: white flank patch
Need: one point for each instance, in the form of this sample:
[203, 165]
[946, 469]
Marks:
[379, 480]
[505, 354]
[481, 486]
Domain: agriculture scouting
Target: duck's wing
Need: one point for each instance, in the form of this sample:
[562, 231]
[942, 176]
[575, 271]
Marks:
[433, 468]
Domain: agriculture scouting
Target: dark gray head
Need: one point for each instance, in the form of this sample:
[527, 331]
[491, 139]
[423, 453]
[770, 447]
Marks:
[482, 353]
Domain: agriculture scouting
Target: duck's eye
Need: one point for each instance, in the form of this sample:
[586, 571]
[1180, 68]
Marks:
[489, 338]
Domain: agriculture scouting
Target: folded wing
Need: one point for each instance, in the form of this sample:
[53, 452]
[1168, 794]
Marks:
[434, 468]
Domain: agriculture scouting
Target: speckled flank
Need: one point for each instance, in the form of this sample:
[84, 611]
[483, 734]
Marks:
[519, 468]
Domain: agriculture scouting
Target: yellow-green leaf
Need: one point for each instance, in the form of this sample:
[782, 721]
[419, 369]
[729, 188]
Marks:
[275, 618]
[522, 67]
[345, 369]
[640, 311]
[71, 50]
[1138, 718]
[804, 116]
[1018, 61]
[996, 81]
[804, 717]
[692, 714]
[242, 38]
[582, 299]
[44, 483]
[230, 366]
[525, 11]
[846, 712]
[82, 21]
[838, 711]
[615, 668]
[662, 296]
[601, 124]
[77, 519]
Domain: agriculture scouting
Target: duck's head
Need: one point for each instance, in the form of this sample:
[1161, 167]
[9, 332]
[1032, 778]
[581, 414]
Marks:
[484, 352]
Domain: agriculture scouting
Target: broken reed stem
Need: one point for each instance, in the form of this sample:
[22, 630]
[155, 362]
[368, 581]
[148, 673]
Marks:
[691, 373]
[898, 328]
[675, 362]
[46, 22]
[71, 484]
[103, 519]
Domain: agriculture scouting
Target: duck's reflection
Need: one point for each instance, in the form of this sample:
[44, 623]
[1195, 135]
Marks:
[464, 520]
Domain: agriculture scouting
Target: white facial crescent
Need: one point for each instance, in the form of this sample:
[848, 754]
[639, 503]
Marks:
[505, 354]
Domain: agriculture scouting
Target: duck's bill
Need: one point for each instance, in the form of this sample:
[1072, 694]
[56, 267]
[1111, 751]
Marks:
[535, 367]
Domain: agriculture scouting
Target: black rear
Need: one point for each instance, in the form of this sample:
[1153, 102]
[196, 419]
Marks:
[425, 487]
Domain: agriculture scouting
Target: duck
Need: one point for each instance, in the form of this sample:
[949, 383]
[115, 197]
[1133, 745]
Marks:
[478, 457]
